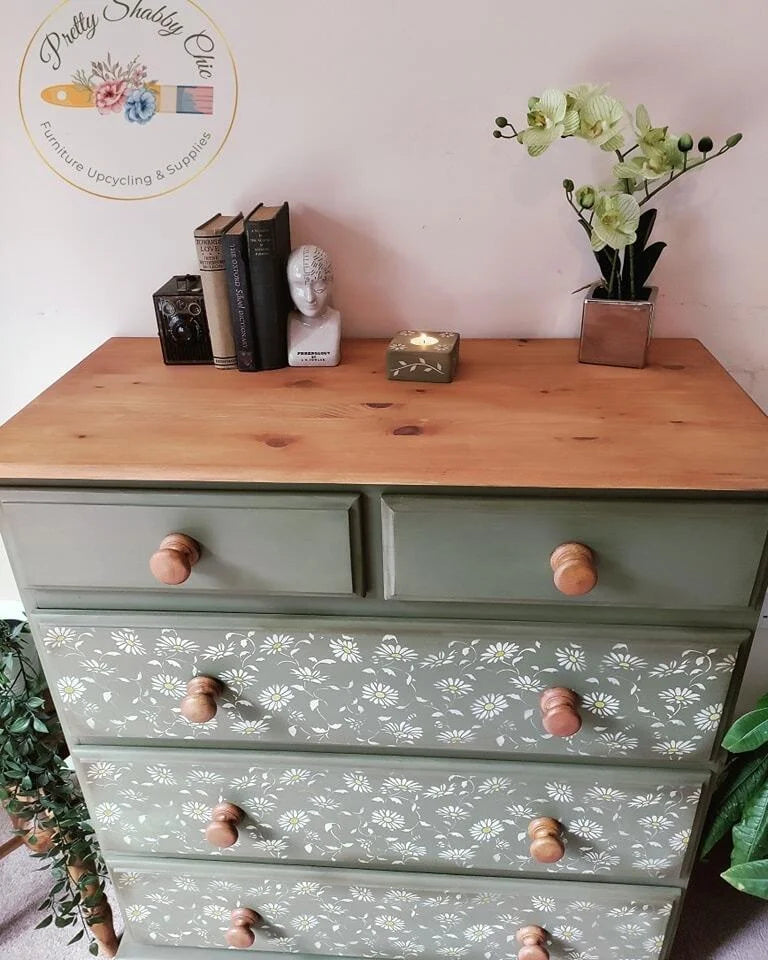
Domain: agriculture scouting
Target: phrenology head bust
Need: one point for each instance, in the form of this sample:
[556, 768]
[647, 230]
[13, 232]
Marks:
[310, 277]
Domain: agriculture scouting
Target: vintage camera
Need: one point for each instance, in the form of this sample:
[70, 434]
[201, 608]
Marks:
[181, 321]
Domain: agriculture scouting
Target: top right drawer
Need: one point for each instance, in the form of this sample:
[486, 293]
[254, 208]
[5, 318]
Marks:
[667, 554]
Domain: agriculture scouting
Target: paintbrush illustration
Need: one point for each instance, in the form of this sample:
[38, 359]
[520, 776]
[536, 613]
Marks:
[170, 99]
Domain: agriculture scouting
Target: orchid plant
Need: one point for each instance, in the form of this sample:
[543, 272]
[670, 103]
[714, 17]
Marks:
[612, 215]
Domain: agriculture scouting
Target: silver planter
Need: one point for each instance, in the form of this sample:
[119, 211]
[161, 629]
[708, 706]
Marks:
[616, 332]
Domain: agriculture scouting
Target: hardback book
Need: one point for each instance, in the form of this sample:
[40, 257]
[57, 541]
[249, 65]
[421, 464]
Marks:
[210, 255]
[241, 311]
[268, 237]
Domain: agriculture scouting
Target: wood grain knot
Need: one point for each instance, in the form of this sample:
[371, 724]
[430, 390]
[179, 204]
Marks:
[301, 383]
[409, 430]
[585, 438]
[378, 406]
[278, 442]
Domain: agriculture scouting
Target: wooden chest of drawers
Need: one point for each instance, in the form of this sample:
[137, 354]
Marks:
[366, 669]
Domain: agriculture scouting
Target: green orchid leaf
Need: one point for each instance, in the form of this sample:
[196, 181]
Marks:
[647, 263]
[636, 252]
[644, 228]
[743, 778]
[750, 835]
[749, 878]
[748, 733]
[605, 262]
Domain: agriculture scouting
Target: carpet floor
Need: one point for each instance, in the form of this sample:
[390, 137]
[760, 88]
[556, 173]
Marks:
[718, 923]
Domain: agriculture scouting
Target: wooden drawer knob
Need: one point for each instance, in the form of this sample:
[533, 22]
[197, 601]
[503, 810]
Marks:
[560, 712]
[240, 933]
[575, 569]
[546, 840]
[199, 705]
[222, 830]
[532, 940]
[174, 559]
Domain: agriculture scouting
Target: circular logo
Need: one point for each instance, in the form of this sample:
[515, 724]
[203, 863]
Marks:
[128, 99]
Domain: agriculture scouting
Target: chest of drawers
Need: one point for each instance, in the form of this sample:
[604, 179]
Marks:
[362, 669]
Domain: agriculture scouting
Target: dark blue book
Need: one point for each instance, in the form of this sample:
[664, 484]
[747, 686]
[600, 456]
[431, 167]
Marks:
[240, 307]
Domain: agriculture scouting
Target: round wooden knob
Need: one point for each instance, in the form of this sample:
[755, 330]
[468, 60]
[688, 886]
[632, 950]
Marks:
[559, 712]
[199, 705]
[575, 569]
[532, 940]
[240, 933]
[174, 559]
[222, 830]
[546, 843]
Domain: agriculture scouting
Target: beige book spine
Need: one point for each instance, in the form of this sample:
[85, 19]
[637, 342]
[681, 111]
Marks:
[213, 275]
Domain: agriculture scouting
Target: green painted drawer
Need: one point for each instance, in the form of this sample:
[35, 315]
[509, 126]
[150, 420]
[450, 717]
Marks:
[682, 554]
[458, 688]
[367, 913]
[251, 544]
[622, 823]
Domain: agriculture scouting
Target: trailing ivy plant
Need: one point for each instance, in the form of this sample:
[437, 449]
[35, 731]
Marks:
[740, 805]
[612, 215]
[37, 787]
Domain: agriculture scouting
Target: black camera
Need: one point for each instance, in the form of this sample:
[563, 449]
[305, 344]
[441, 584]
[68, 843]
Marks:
[181, 321]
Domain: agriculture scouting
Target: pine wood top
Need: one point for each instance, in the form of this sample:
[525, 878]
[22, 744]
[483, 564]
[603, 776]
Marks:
[519, 414]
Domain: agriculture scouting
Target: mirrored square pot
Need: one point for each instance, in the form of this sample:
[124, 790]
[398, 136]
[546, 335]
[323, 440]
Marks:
[616, 332]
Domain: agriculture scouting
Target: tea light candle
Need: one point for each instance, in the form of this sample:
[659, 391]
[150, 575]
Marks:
[423, 355]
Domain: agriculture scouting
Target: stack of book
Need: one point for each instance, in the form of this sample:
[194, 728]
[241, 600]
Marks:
[243, 263]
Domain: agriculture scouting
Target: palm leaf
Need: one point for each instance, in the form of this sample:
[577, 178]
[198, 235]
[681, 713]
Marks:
[748, 733]
[750, 835]
[749, 878]
[743, 778]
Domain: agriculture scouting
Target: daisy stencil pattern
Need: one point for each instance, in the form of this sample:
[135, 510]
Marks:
[452, 919]
[317, 810]
[644, 694]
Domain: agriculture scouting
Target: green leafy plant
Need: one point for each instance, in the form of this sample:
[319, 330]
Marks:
[38, 790]
[740, 804]
[612, 215]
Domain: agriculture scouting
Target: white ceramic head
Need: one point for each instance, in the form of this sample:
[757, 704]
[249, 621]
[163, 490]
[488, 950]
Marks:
[310, 277]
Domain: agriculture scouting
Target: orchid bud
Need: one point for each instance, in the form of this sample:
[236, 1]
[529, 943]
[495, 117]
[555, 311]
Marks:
[568, 185]
[733, 139]
[501, 121]
[705, 144]
[685, 143]
[585, 197]
[497, 133]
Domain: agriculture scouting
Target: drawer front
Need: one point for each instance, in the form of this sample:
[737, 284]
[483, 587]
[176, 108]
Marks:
[251, 544]
[466, 688]
[427, 814]
[368, 913]
[684, 554]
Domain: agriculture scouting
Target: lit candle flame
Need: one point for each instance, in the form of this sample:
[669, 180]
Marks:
[424, 340]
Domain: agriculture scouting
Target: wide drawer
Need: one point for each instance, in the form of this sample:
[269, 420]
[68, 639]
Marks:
[373, 914]
[250, 544]
[427, 814]
[651, 694]
[682, 554]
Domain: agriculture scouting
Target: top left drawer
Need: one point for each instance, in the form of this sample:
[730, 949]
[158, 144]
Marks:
[250, 544]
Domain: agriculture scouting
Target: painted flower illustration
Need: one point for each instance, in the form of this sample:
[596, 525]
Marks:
[118, 88]
[140, 106]
[71, 689]
[110, 96]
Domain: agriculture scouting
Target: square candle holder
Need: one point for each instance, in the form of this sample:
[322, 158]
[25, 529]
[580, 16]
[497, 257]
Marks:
[426, 356]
